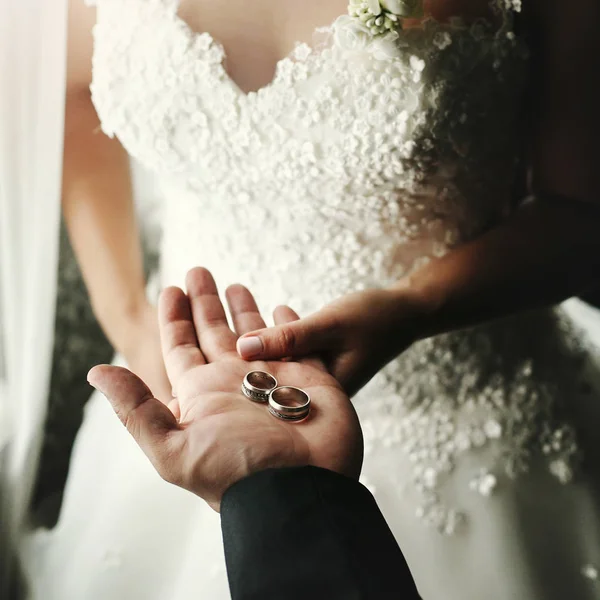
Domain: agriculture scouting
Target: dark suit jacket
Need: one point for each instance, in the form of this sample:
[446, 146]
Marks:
[308, 533]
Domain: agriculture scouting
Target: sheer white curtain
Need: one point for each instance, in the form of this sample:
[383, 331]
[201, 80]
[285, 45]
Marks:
[32, 84]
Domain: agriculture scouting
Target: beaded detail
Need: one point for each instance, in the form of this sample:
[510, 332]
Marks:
[363, 159]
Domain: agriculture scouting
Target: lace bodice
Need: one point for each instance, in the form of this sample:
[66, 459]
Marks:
[364, 157]
[358, 160]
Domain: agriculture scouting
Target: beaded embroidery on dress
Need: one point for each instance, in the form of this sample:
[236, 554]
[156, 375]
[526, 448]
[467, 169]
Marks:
[363, 159]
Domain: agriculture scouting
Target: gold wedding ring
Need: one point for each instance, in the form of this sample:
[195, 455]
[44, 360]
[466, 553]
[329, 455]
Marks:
[257, 385]
[289, 403]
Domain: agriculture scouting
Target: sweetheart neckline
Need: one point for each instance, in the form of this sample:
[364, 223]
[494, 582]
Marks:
[193, 35]
[221, 64]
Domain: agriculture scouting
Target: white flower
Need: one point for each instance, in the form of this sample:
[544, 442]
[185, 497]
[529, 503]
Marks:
[302, 52]
[351, 34]
[381, 16]
[442, 39]
[483, 483]
[385, 47]
[590, 572]
[403, 8]
[561, 470]
[374, 7]
[354, 34]
[487, 484]
[493, 429]
[417, 64]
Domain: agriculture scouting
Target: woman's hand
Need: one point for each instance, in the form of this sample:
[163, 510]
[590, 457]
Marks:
[356, 335]
[221, 436]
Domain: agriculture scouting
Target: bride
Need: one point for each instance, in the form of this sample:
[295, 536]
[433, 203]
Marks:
[365, 165]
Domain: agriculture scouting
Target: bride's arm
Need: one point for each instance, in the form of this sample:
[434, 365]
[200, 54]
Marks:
[547, 253]
[550, 250]
[99, 213]
[97, 198]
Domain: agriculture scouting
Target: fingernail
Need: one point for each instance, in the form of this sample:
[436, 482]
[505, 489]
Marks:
[250, 346]
[94, 385]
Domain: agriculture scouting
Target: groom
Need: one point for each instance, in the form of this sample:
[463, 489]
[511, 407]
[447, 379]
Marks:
[296, 523]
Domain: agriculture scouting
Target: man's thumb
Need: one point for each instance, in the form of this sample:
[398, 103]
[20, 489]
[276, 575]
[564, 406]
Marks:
[146, 418]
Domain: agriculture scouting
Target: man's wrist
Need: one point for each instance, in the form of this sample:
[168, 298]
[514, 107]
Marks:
[285, 473]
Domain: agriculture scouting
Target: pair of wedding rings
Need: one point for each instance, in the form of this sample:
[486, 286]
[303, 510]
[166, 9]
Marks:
[285, 401]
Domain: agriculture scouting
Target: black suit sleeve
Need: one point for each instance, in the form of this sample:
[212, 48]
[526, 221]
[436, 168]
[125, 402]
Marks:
[307, 533]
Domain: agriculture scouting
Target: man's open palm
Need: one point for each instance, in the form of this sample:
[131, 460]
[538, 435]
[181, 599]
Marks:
[212, 435]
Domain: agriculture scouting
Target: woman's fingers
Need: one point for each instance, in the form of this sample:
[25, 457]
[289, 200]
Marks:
[212, 330]
[244, 311]
[284, 314]
[147, 419]
[177, 334]
[308, 336]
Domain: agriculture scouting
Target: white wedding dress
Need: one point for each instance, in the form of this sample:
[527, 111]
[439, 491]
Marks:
[363, 159]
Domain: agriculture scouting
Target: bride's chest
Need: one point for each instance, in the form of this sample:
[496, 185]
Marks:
[254, 40]
[352, 109]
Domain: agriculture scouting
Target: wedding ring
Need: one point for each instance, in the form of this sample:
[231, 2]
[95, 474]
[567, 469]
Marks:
[257, 385]
[289, 403]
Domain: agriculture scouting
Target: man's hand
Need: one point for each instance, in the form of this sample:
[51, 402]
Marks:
[221, 436]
